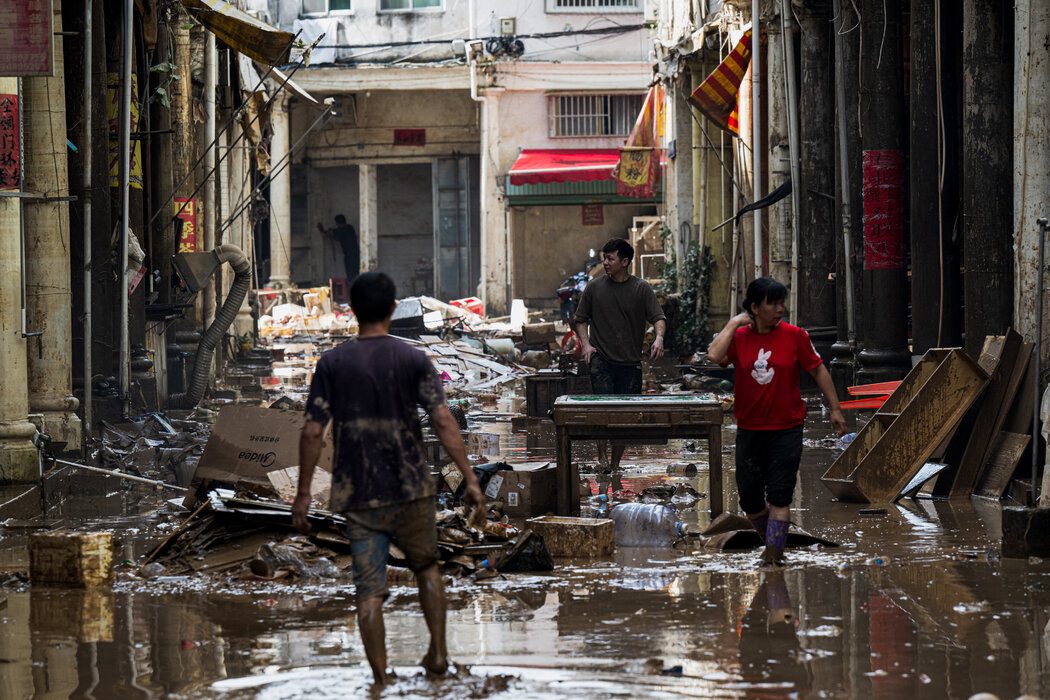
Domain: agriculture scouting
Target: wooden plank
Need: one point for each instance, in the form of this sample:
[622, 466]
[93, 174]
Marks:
[1019, 419]
[1006, 453]
[997, 359]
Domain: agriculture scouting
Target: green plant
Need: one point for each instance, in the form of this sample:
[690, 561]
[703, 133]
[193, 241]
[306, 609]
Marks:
[160, 94]
[692, 284]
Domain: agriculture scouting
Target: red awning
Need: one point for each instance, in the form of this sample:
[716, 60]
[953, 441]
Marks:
[537, 166]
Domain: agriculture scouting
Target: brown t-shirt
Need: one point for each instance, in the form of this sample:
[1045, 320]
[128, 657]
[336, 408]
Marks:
[617, 314]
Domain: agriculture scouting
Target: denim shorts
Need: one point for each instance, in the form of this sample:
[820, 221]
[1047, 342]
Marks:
[607, 378]
[767, 467]
[412, 526]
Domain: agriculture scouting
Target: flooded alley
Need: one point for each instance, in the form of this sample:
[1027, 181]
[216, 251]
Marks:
[915, 602]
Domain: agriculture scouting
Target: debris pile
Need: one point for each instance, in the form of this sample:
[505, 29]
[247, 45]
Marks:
[154, 446]
[253, 539]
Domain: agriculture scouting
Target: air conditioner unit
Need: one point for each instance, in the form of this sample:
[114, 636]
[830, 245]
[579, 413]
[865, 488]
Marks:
[652, 11]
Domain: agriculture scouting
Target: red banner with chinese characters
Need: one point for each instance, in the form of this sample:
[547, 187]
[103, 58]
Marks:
[10, 163]
[410, 137]
[883, 210]
[186, 212]
[26, 38]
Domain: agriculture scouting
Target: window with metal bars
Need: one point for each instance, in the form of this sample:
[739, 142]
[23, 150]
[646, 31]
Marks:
[315, 8]
[595, 4]
[593, 115]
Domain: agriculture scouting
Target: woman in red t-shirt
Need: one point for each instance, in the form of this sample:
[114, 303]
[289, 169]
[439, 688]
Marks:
[767, 354]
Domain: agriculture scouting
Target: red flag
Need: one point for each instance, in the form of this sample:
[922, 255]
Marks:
[638, 172]
[716, 96]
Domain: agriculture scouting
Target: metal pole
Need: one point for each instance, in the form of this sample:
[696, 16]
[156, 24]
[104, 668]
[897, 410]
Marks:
[120, 475]
[125, 177]
[840, 106]
[86, 149]
[1037, 399]
[756, 125]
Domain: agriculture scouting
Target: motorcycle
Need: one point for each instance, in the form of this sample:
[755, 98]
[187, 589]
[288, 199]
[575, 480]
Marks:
[571, 289]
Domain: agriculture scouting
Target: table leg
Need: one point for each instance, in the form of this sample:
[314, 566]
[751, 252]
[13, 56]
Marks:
[563, 477]
[714, 449]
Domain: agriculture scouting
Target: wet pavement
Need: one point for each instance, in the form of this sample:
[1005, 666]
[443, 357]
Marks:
[914, 603]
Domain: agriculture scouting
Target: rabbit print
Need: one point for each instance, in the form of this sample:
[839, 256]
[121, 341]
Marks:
[762, 372]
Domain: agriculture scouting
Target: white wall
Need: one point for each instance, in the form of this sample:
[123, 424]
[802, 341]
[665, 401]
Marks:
[365, 25]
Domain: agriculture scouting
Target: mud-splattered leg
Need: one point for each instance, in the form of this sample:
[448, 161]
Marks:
[373, 634]
[432, 597]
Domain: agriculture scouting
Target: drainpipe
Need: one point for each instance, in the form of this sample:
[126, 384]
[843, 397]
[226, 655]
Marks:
[756, 126]
[794, 148]
[86, 148]
[125, 173]
[840, 107]
[211, 79]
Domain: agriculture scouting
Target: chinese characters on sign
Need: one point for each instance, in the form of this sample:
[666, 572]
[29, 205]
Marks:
[26, 38]
[10, 164]
[593, 215]
[883, 210]
[113, 99]
[410, 137]
[186, 211]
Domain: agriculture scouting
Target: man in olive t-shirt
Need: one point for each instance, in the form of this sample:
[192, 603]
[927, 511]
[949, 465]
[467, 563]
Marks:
[610, 320]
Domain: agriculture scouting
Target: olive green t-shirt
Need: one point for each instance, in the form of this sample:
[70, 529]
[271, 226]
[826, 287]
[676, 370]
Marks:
[617, 314]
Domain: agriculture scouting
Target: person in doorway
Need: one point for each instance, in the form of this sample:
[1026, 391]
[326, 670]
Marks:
[610, 321]
[346, 236]
[767, 354]
[369, 389]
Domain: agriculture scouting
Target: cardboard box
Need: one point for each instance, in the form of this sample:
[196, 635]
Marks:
[531, 489]
[575, 537]
[71, 558]
[249, 442]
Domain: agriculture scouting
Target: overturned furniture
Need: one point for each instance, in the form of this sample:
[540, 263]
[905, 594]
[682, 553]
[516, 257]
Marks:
[917, 417]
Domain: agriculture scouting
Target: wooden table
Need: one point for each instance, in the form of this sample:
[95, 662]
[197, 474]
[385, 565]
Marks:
[593, 417]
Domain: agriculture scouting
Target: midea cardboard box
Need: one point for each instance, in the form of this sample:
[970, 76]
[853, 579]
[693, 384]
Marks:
[529, 490]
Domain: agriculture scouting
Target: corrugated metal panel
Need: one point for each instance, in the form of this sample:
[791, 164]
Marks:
[573, 193]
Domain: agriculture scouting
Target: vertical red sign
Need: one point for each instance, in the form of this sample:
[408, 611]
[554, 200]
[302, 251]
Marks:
[186, 212]
[10, 163]
[883, 210]
[26, 38]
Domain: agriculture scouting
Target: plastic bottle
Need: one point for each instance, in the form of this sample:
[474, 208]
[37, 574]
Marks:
[844, 441]
[603, 503]
[646, 525]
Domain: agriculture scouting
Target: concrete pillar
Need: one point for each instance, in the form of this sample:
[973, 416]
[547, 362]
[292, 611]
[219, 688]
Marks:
[47, 239]
[989, 46]
[494, 243]
[17, 454]
[239, 234]
[280, 197]
[679, 186]
[1031, 175]
[368, 204]
[779, 155]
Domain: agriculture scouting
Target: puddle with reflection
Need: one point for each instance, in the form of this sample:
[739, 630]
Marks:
[941, 616]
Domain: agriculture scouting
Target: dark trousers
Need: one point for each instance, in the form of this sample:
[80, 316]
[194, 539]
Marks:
[767, 467]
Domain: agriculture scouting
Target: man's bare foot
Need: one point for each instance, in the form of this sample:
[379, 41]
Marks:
[433, 665]
[385, 678]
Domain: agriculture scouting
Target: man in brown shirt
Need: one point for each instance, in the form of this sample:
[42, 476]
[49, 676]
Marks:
[610, 320]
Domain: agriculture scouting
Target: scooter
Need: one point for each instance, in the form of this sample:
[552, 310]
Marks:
[572, 288]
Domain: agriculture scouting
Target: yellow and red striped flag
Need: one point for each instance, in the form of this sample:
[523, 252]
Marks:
[716, 96]
[638, 172]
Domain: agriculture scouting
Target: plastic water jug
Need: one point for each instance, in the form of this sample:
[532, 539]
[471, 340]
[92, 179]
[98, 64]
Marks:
[646, 525]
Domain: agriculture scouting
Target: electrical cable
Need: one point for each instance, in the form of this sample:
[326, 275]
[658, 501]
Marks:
[616, 29]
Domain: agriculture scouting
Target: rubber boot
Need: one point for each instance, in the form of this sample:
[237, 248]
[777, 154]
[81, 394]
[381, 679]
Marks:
[776, 539]
[759, 521]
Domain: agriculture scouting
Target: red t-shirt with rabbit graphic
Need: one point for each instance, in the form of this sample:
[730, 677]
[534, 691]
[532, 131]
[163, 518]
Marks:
[766, 369]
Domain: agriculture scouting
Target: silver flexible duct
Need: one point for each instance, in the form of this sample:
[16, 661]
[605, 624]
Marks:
[223, 320]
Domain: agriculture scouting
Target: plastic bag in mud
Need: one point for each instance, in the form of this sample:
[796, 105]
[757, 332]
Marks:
[529, 553]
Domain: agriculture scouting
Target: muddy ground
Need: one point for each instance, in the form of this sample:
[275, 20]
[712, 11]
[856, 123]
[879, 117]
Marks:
[914, 603]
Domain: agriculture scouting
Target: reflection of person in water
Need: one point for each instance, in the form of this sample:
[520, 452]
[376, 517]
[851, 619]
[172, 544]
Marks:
[769, 647]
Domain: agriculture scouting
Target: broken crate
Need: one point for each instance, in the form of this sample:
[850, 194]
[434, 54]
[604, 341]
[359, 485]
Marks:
[909, 426]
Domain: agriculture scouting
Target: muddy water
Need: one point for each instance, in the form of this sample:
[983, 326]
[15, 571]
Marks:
[914, 603]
